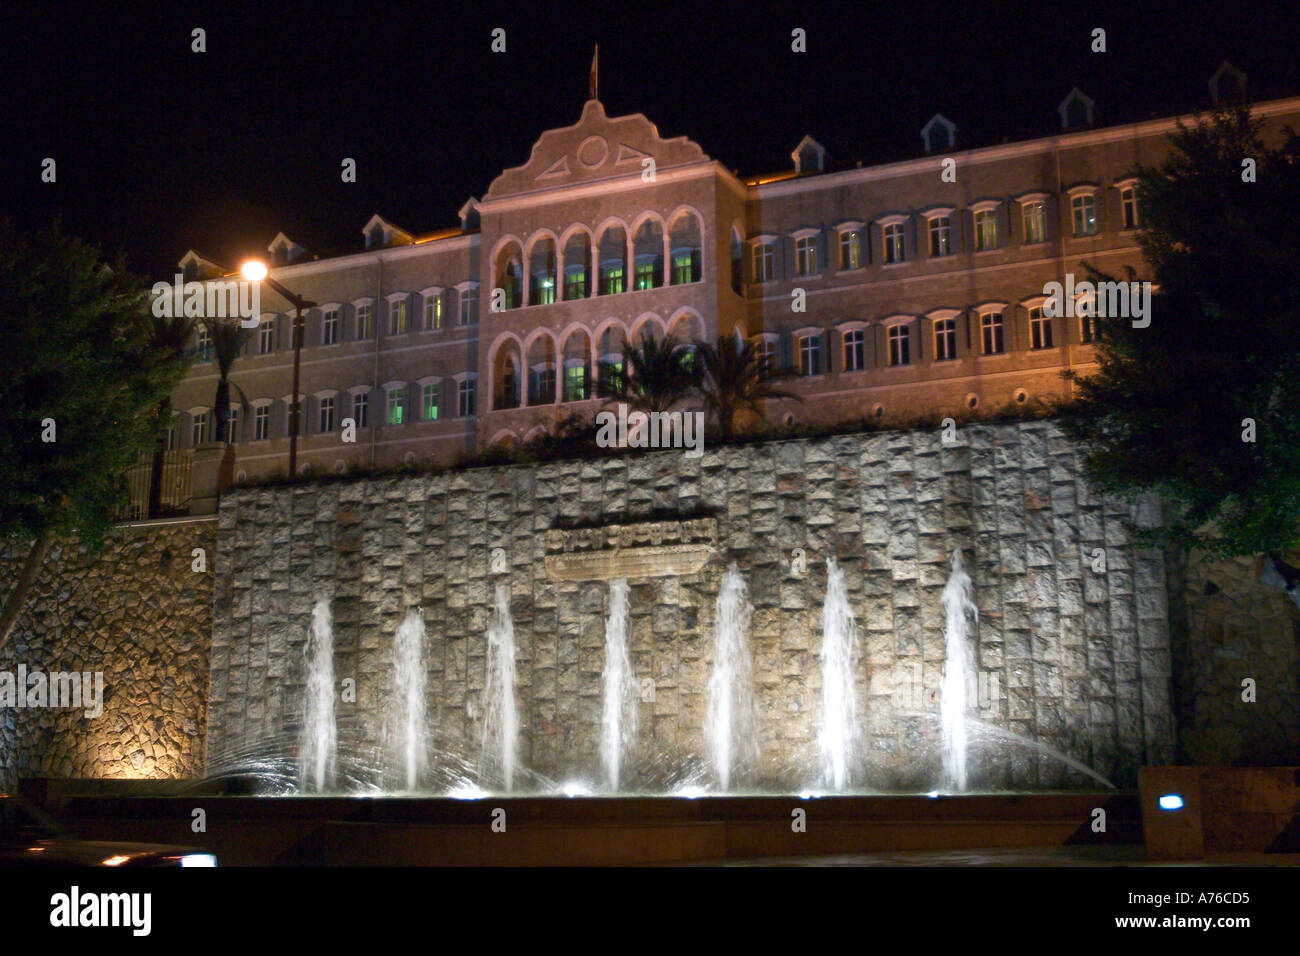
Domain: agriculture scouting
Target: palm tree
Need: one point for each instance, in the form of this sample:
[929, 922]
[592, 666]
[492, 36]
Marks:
[227, 342]
[170, 337]
[653, 377]
[734, 377]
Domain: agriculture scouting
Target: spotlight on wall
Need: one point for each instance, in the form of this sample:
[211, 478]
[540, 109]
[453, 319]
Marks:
[253, 270]
[1171, 801]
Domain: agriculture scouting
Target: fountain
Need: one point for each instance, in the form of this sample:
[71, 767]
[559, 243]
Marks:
[500, 711]
[318, 747]
[408, 683]
[730, 728]
[837, 735]
[618, 708]
[960, 614]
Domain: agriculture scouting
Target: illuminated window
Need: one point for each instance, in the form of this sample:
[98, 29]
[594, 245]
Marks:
[429, 399]
[684, 268]
[986, 230]
[396, 317]
[575, 283]
[575, 383]
[850, 249]
[544, 287]
[645, 276]
[613, 276]
[433, 311]
[805, 256]
[1035, 217]
[396, 405]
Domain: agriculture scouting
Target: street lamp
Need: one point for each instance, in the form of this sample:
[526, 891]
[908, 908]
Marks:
[256, 271]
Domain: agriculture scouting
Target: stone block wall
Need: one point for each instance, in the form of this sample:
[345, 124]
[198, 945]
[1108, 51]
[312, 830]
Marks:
[139, 613]
[1229, 627]
[1073, 658]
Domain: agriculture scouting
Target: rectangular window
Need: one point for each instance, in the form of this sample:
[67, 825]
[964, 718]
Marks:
[1035, 216]
[764, 262]
[1087, 329]
[288, 419]
[683, 268]
[613, 278]
[396, 405]
[575, 383]
[261, 422]
[899, 346]
[171, 438]
[203, 347]
[468, 306]
[575, 284]
[991, 332]
[396, 317]
[361, 409]
[855, 351]
[1085, 215]
[429, 402]
[199, 429]
[805, 256]
[810, 355]
[850, 249]
[894, 251]
[986, 230]
[945, 339]
[465, 398]
[545, 289]
[940, 236]
[329, 330]
[645, 276]
[365, 322]
[433, 312]
[232, 425]
[326, 417]
[766, 354]
[1040, 330]
[1129, 204]
[266, 338]
[541, 386]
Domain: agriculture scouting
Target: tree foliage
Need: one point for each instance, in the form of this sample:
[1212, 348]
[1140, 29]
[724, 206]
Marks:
[733, 378]
[655, 374]
[1173, 406]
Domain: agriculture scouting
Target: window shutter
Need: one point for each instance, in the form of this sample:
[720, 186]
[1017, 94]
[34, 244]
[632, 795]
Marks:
[826, 354]
[785, 351]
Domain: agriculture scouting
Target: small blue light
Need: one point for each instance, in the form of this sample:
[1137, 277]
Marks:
[1171, 801]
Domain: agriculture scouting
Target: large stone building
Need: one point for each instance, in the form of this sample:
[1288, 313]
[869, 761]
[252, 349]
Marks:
[889, 289]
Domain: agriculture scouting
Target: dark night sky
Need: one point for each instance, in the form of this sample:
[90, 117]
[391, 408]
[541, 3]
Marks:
[160, 149]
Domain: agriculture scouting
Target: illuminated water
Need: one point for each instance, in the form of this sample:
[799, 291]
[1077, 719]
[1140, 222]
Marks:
[500, 709]
[731, 721]
[837, 735]
[961, 616]
[318, 746]
[618, 688]
[410, 730]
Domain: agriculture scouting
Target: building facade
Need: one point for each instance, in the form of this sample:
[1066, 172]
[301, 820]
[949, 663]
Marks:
[889, 290]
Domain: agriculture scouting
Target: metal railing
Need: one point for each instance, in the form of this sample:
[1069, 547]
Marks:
[174, 497]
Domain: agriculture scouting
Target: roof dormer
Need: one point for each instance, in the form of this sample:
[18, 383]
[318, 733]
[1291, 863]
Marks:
[195, 266]
[284, 250]
[469, 217]
[380, 232]
[939, 134]
[1227, 85]
[809, 156]
[1076, 110]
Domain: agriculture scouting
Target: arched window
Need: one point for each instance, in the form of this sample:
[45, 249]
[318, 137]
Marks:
[508, 275]
[648, 250]
[541, 371]
[577, 266]
[577, 367]
[737, 261]
[541, 270]
[686, 249]
[613, 261]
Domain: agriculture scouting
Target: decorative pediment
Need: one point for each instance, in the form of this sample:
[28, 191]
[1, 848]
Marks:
[596, 147]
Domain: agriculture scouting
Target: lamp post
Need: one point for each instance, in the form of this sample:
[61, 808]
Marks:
[255, 271]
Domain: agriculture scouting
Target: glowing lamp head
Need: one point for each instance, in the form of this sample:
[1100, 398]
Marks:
[253, 271]
[1171, 801]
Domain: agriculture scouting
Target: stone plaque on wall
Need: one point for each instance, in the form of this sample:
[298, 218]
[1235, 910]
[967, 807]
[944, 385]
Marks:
[648, 549]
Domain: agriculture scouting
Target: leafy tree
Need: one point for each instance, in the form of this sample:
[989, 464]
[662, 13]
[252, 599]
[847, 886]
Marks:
[1203, 405]
[80, 386]
[654, 375]
[170, 335]
[734, 378]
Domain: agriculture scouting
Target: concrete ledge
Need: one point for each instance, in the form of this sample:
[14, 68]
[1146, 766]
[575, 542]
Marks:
[1226, 810]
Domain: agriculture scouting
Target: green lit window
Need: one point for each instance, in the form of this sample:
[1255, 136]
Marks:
[575, 285]
[575, 383]
[429, 402]
[645, 276]
[546, 291]
[395, 406]
[614, 280]
[683, 268]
